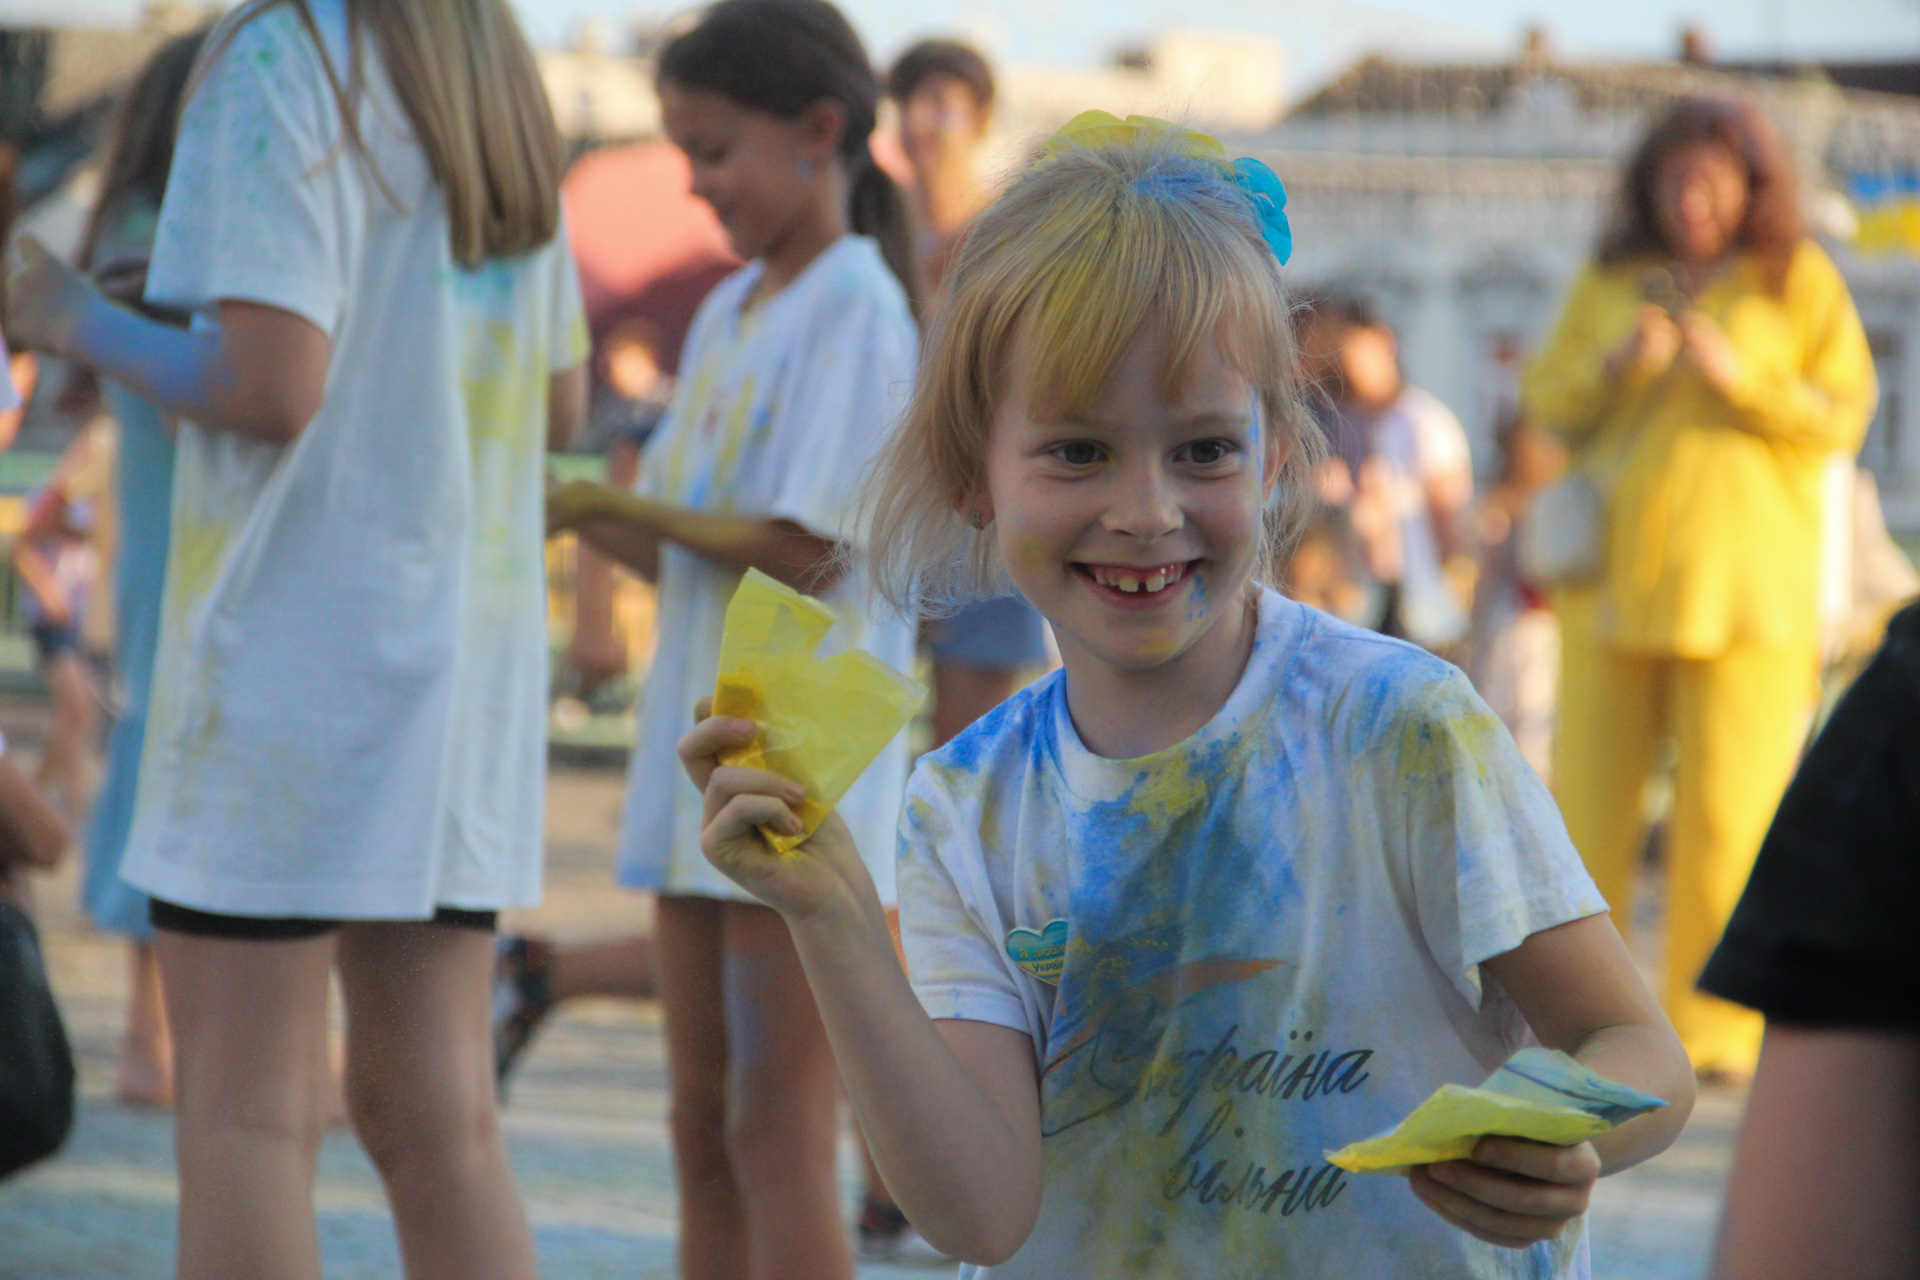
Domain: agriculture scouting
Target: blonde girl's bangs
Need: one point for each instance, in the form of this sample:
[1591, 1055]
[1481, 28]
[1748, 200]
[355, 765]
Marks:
[1083, 318]
[1087, 248]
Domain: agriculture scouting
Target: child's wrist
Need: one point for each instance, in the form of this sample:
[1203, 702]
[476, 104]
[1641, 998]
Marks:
[842, 920]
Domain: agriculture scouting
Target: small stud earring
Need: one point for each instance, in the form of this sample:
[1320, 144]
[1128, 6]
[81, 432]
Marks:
[979, 521]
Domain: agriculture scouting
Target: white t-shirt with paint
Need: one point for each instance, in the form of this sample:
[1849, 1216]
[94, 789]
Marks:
[777, 414]
[1243, 952]
[349, 706]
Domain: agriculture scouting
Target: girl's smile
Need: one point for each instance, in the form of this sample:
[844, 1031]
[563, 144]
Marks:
[1134, 523]
[1128, 587]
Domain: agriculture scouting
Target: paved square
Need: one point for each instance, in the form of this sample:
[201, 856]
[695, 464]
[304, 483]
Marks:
[586, 1126]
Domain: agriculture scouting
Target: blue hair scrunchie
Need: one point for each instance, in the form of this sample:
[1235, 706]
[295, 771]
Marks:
[1260, 184]
[1269, 197]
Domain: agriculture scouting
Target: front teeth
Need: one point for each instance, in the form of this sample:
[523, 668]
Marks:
[1134, 583]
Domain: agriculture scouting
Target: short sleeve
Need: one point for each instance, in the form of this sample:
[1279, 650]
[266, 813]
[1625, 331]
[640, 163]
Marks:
[839, 400]
[952, 961]
[265, 200]
[1824, 934]
[568, 342]
[1487, 855]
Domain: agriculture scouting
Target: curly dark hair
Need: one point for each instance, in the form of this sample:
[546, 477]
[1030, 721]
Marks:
[1772, 227]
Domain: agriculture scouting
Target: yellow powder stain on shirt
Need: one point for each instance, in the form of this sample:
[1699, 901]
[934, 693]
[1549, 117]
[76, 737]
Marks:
[1168, 790]
[199, 548]
[1429, 744]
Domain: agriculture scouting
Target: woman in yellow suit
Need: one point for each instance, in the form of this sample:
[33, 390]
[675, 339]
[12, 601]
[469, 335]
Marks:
[1707, 368]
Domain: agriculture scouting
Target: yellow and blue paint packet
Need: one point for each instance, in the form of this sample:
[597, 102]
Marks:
[822, 720]
[1541, 1094]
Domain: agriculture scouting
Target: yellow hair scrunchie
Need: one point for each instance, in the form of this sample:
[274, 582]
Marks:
[1099, 128]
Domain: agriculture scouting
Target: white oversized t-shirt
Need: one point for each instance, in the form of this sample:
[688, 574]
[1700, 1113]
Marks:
[349, 706]
[1242, 952]
[777, 413]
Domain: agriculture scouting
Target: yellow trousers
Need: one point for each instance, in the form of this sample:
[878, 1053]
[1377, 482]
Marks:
[1738, 722]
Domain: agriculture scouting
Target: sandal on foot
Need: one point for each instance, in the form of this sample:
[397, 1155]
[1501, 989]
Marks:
[522, 998]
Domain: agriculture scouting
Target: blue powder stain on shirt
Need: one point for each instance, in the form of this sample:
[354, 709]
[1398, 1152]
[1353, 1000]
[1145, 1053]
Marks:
[965, 750]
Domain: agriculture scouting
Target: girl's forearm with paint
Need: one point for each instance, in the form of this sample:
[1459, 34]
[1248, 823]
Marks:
[630, 528]
[259, 372]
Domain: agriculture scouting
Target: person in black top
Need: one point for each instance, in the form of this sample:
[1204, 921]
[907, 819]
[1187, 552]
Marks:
[1826, 943]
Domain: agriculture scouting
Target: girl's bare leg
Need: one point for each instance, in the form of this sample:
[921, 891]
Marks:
[420, 1096]
[624, 967]
[66, 766]
[144, 1077]
[690, 935]
[782, 1105]
[249, 1026]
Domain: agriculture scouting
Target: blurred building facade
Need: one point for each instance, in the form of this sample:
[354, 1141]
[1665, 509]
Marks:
[1462, 198]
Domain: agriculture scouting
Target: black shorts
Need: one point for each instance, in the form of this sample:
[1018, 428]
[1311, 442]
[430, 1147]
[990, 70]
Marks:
[208, 924]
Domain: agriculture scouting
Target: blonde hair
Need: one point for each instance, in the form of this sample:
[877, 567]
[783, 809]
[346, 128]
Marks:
[1095, 240]
[466, 79]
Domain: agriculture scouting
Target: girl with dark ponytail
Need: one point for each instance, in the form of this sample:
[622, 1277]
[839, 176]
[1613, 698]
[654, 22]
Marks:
[794, 371]
[782, 58]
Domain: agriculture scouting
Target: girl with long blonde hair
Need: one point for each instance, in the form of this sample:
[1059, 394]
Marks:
[344, 760]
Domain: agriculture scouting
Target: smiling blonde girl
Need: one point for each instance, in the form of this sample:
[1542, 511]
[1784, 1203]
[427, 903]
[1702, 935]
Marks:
[1241, 883]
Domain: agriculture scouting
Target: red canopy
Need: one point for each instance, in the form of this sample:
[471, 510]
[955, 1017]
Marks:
[646, 247]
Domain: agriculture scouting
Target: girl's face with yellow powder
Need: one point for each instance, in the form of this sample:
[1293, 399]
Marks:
[1134, 527]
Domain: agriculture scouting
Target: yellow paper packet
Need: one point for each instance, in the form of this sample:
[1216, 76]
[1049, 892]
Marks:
[1540, 1094]
[822, 720]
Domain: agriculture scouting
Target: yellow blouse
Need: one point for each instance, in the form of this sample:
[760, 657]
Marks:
[1714, 524]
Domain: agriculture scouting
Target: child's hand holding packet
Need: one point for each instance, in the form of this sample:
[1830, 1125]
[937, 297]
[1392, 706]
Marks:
[1539, 1094]
[822, 720]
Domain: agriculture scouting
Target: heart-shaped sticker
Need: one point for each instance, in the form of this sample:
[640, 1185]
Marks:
[1042, 954]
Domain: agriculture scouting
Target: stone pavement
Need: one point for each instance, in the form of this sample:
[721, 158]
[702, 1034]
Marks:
[586, 1126]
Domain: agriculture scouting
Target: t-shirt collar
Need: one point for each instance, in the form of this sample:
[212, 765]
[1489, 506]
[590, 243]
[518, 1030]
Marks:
[750, 276]
[1097, 779]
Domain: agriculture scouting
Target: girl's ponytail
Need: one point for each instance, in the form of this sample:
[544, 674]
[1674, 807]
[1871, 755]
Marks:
[781, 57]
[878, 208]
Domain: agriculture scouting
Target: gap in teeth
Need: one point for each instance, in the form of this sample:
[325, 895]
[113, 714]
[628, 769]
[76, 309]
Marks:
[1133, 582]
